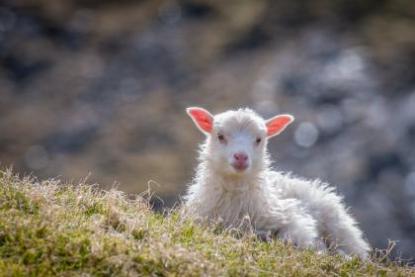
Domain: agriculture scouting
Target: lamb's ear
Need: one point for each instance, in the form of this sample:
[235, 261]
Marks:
[277, 124]
[202, 119]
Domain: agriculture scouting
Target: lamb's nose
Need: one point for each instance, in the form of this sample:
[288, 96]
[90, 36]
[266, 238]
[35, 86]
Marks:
[240, 157]
[240, 162]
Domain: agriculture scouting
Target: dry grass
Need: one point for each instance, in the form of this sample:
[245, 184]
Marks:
[50, 228]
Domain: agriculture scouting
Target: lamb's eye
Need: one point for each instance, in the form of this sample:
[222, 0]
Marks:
[221, 138]
[258, 141]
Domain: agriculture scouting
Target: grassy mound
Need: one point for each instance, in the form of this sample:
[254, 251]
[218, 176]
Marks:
[49, 228]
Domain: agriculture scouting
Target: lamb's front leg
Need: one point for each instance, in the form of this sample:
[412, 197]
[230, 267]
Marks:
[291, 223]
[300, 230]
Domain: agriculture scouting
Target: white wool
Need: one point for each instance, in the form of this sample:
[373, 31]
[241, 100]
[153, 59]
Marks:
[297, 210]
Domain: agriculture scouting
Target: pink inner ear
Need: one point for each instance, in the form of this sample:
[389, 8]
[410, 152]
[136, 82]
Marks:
[202, 118]
[277, 124]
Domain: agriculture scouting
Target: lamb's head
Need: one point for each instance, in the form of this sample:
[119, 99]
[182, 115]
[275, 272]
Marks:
[237, 139]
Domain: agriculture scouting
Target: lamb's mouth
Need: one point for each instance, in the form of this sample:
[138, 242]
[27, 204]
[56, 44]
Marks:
[240, 167]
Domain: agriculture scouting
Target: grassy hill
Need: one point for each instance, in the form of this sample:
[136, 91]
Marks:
[51, 228]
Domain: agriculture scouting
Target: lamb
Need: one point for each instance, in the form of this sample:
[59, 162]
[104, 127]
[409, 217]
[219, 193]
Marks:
[234, 184]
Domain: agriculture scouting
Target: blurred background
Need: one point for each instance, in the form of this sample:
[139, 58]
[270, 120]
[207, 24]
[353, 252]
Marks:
[99, 88]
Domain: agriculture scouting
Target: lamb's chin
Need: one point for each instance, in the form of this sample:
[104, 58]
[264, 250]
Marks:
[237, 173]
[228, 172]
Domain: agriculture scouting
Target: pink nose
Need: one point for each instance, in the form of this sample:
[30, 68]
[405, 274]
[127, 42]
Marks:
[240, 157]
[240, 161]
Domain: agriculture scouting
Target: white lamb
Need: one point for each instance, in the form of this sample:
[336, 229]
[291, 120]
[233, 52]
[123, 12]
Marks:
[234, 184]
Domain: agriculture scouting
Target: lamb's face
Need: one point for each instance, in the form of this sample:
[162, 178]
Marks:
[237, 142]
[237, 139]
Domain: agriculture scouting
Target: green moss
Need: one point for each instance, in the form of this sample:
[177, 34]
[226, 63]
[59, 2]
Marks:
[139, 234]
[49, 229]
[11, 198]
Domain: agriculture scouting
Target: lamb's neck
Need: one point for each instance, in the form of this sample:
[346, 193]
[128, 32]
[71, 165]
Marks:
[229, 197]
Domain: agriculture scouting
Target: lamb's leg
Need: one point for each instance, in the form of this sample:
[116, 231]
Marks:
[344, 233]
[300, 229]
[333, 220]
[291, 223]
[338, 225]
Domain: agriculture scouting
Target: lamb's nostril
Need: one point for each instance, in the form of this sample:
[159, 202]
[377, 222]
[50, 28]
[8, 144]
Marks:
[240, 157]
